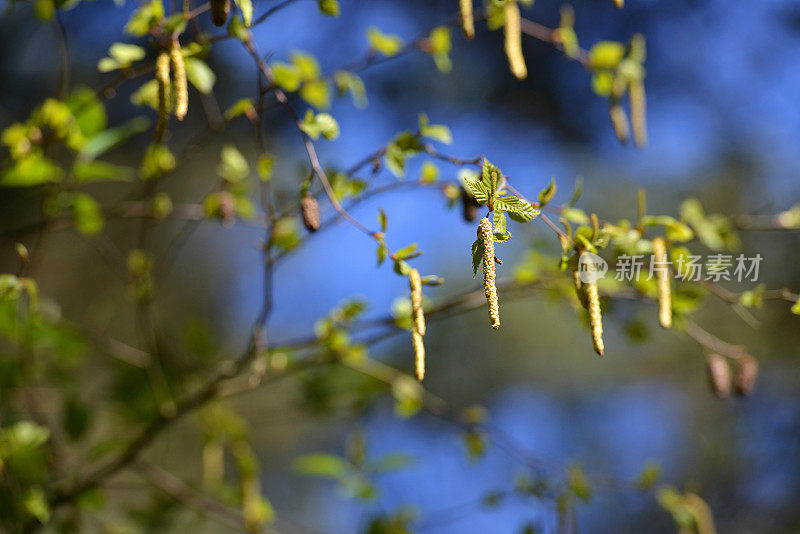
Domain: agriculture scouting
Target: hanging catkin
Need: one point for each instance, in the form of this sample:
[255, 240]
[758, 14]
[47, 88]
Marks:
[619, 3]
[179, 81]
[638, 100]
[513, 36]
[219, 11]
[162, 78]
[619, 120]
[719, 375]
[489, 273]
[415, 283]
[578, 284]
[309, 209]
[467, 20]
[663, 281]
[595, 317]
[746, 375]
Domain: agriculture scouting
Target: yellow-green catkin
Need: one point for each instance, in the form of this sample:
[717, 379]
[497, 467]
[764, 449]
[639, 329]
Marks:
[513, 34]
[663, 282]
[467, 19]
[619, 4]
[418, 318]
[162, 78]
[219, 11]
[179, 81]
[638, 101]
[578, 283]
[746, 375]
[595, 317]
[619, 120]
[489, 273]
[719, 375]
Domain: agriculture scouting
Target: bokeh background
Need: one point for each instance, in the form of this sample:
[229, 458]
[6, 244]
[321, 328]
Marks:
[724, 124]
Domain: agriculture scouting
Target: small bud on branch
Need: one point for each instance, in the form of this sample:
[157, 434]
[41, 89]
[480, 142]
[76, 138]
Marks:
[719, 375]
[309, 209]
[219, 11]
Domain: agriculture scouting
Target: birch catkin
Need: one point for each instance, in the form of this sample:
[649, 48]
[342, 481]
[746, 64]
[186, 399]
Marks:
[467, 20]
[579, 290]
[162, 78]
[719, 375]
[513, 36]
[489, 273]
[663, 280]
[179, 81]
[418, 329]
[595, 317]
[638, 100]
[309, 209]
[219, 11]
[619, 3]
[619, 120]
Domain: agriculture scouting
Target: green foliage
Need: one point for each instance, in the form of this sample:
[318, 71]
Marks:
[121, 56]
[316, 124]
[384, 43]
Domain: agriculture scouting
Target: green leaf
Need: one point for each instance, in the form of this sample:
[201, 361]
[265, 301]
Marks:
[579, 483]
[437, 132]
[233, 166]
[286, 76]
[478, 190]
[246, 7]
[243, 106]
[328, 126]
[429, 173]
[306, 64]
[382, 219]
[499, 224]
[407, 252]
[518, 209]
[31, 171]
[347, 82]
[401, 267]
[89, 113]
[649, 476]
[477, 256]
[87, 214]
[157, 161]
[146, 95]
[392, 462]
[329, 7]
[121, 56]
[383, 252]
[753, 298]
[317, 93]
[796, 307]
[101, 171]
[145, 18]
[200, 75]
[606, 55]
[387, 44]
[36, 505]
[547, 194]
[106, 140]
[321, 465]
[266, 163]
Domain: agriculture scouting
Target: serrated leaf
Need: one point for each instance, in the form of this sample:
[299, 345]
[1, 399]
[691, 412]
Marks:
[478, 191]
[519, 210]
[477, 256]
[382, 219]
[406, 252]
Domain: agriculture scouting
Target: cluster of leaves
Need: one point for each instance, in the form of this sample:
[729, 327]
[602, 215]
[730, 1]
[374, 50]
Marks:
[489, 191]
